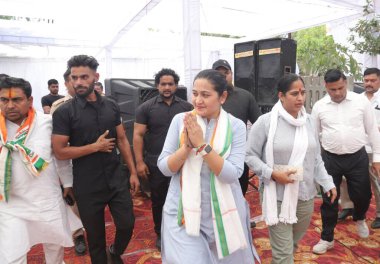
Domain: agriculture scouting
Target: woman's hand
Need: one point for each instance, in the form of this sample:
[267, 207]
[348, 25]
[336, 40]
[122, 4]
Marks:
[194, 130]
[283, 177]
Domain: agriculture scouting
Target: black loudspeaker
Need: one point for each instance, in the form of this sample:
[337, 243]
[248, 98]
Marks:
[245, 66]
[129, 94]
[275, 57]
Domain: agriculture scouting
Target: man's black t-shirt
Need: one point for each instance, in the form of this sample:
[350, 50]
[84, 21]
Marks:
[241, 104]
[157, 116]
[49, 99]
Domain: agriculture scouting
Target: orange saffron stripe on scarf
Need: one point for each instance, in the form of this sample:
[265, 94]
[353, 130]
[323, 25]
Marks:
[34, 159]
[214, 133]
[28, 122]
[3, 128]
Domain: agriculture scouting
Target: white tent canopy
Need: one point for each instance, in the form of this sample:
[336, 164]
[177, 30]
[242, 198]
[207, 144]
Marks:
[134, 39]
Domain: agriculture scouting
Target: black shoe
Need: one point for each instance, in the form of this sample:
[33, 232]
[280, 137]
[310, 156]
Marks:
[112, 258]
[253, 224]
[80, 245]
[344, 214]
[376, 223]
[158, 242]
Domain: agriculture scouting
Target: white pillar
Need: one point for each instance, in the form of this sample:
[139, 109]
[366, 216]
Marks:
[191, 42]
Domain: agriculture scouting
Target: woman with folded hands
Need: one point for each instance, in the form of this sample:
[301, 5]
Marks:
[283, 150]
[205, 217]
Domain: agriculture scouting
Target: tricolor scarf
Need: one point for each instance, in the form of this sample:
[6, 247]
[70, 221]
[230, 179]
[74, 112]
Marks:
[290, 199]
[228, 229]
[33, 163]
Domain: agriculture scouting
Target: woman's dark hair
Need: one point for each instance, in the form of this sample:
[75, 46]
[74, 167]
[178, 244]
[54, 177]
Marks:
[284, 83]
[334, 75]
[217, 79]
[11, 82]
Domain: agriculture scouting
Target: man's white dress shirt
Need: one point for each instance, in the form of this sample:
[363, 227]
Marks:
[344, 126]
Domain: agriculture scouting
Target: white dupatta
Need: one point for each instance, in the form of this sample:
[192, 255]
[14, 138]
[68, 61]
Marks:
[228, 229]
[290, 199]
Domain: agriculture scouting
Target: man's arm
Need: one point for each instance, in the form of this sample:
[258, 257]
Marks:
[139, 131]
[64, 151]
[45, 105]
[125, 150]
[46, 109]
[372, 131]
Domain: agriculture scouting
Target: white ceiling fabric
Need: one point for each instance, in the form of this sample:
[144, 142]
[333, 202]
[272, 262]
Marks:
[143, 36]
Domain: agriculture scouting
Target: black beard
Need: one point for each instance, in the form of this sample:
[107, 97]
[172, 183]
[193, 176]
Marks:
[87, 93]
[167, 97]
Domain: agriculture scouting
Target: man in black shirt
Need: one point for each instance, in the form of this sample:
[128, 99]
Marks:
[153, 119]
[86, 130]
[241, 104]
[53, 96]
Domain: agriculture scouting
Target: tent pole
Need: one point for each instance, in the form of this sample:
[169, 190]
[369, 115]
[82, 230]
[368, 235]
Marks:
[191, 42]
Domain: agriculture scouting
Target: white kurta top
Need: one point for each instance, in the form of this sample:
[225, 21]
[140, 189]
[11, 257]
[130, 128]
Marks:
[35, 212]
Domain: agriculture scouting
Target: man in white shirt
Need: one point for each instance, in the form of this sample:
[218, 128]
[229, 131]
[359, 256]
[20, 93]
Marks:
[372, 93]
[345, 122]
[32, 210]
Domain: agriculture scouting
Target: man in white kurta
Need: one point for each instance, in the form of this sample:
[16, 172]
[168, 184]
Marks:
[34, 211]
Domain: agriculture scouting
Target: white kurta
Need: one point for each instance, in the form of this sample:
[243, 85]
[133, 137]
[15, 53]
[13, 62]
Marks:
[35, 212]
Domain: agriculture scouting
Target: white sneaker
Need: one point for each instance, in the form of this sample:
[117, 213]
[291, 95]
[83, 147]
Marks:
[322, 246]
[362, 227]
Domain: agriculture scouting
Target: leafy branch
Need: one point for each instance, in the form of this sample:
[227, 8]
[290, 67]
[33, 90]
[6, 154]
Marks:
[365, 35]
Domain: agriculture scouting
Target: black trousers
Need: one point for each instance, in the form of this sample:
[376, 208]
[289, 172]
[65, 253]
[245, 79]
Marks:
[244, 179]
[355, 168]
[91, 209]
[159, 185]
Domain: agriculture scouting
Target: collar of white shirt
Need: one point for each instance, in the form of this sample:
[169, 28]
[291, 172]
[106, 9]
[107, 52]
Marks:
[349, 97]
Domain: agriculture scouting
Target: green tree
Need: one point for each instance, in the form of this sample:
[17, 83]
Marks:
[7, 17]
[317, 52]
[365, 35]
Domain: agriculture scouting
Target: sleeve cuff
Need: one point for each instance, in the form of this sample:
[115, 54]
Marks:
[328, 187]
[163, 166]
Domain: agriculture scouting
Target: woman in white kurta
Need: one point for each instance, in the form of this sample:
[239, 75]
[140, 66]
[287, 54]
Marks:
[193, 231]
[35, 211]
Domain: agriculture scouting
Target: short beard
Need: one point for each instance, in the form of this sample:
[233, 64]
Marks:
[167, 97]
[87, 93]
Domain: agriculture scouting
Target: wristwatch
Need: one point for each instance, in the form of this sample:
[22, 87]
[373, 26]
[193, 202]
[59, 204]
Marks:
[206, 150]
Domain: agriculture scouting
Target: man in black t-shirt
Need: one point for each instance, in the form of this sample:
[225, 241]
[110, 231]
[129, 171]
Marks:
[241, 104]
[53, 96]
[153, 119]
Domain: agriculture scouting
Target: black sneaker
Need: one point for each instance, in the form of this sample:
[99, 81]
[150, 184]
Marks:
[112, 258]
[80, 245]
[158, 242]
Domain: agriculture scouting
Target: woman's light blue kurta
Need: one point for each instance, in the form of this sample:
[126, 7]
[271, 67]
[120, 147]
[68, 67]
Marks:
[177, 246]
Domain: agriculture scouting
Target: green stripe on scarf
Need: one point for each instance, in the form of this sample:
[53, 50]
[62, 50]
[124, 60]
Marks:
[8, 174]
[214, 197]
[180, 210]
